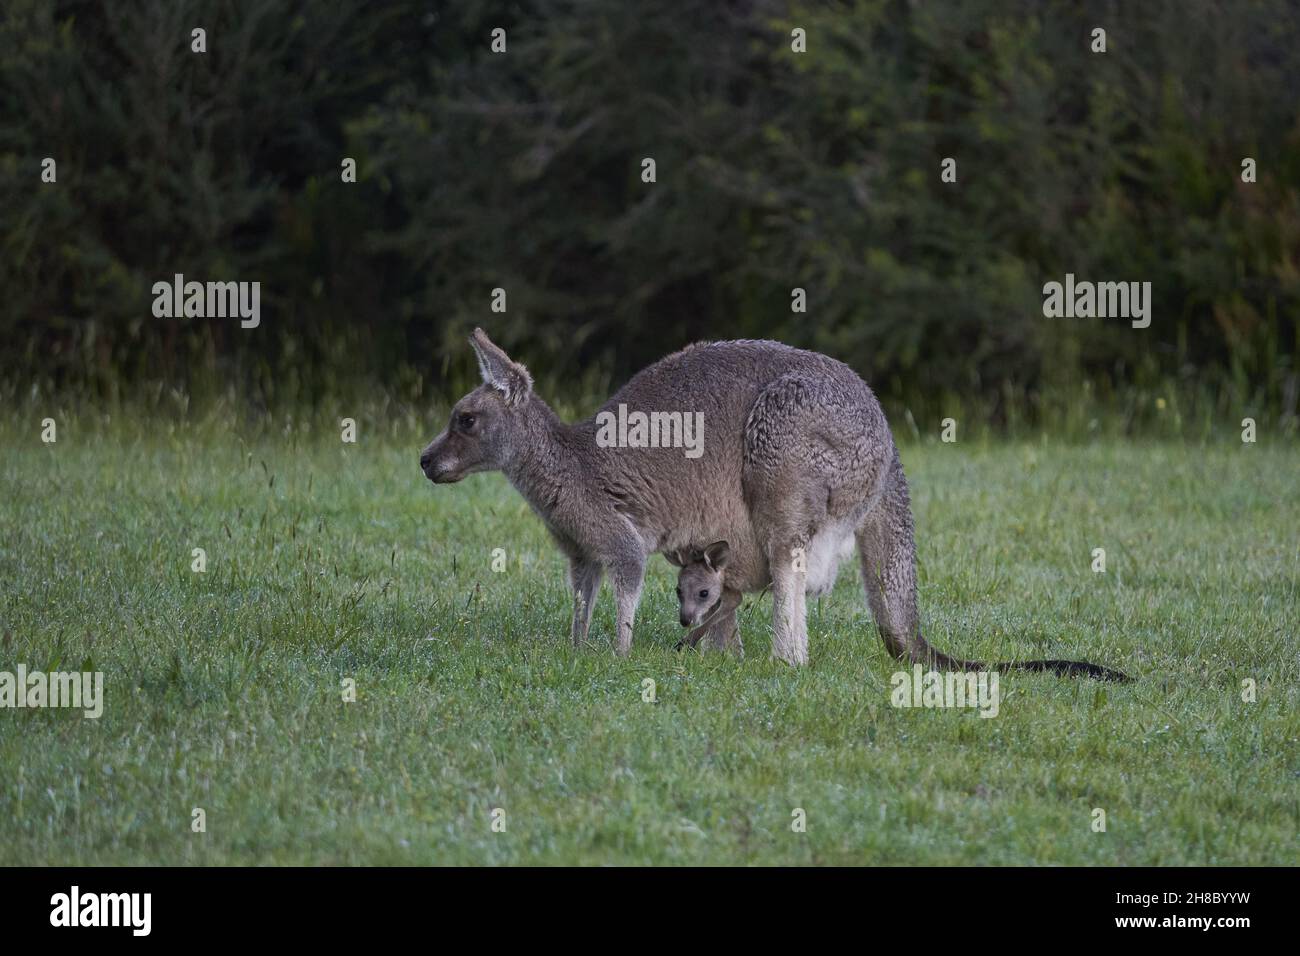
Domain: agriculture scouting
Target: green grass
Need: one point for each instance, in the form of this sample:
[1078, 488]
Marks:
[328, 562]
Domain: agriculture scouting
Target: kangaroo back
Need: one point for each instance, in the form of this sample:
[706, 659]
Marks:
[676, 500]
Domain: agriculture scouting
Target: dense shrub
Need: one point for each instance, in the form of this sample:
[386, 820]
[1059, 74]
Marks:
[775, 170]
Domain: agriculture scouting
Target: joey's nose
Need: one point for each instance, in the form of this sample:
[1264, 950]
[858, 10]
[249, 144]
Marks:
[685, 619]
[425, 458]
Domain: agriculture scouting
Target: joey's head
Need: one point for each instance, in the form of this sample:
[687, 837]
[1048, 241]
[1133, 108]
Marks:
[489, 425]
[699, 582]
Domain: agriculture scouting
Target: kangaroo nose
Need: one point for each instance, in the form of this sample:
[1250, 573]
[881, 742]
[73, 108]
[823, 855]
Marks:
[685, 619]
[424, 461]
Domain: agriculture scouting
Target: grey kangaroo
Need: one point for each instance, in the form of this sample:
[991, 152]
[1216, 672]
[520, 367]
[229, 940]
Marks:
[796, 456]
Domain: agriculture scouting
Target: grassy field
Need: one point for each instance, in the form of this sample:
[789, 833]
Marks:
[328, 561]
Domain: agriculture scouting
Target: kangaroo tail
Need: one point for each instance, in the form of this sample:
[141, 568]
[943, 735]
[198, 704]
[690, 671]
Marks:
[887, 549]
[942, 661]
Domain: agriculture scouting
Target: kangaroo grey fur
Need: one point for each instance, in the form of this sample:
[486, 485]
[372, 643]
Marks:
[796, 456]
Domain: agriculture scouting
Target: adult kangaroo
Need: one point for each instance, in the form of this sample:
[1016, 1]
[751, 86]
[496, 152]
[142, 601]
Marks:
[795, 455]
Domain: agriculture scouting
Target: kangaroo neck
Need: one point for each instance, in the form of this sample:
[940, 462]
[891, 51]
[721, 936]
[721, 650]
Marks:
[541, 465]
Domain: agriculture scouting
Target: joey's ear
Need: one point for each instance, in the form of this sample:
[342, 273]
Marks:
[508, 377]
[681, 557]
[717, 555]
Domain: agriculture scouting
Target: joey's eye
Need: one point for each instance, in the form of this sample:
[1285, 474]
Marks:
[466, 422]
[704, 594]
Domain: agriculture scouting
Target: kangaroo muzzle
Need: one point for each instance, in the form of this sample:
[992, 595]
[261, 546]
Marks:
[703, 617]
[437, 466]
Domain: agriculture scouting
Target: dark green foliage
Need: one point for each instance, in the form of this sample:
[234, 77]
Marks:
[775, 170]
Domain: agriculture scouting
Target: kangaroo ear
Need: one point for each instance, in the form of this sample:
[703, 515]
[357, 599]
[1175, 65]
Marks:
[508, 377]
[675, 558]
[717, 555]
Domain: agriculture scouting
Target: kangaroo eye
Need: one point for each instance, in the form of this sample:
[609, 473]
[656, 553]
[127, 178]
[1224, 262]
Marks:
[704, 594]
[466, 422]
